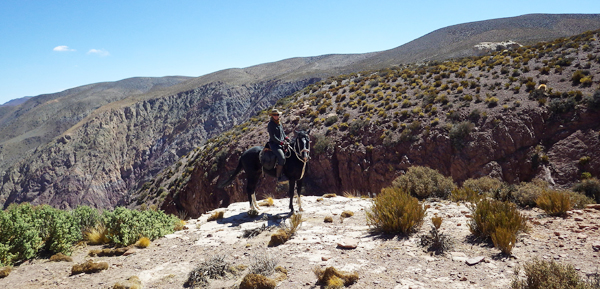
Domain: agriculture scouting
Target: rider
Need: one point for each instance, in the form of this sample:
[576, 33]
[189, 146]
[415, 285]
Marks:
[277, 140]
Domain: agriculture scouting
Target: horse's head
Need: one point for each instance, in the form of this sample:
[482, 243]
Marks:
[302, 145]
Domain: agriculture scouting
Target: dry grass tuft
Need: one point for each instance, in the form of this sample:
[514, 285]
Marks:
[108, 252]
[287, 231]
[395, 211]
[332, 278]
[88, 267]
[5, 271]
[97, 236]
[328, 219]
[60, 257]
[329, 195]
[268, 202]
[319, 199]
[500, 221]
[143, 242]
[257, 281]
[554, 203]
[347, 214]
[132, 282]
[216, 216]
[179, 225]
[278, 238]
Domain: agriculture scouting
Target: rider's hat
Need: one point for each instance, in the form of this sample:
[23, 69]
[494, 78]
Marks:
[275, 112]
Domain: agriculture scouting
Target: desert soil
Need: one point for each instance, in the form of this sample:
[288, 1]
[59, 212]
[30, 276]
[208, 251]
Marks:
[380, 261]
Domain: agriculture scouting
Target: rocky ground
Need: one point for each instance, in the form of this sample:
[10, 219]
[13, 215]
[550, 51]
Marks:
[380, 261]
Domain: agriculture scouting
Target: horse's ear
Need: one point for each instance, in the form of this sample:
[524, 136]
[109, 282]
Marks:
[308, 131]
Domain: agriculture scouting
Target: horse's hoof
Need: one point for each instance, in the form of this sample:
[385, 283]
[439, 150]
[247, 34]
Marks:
[253, 213]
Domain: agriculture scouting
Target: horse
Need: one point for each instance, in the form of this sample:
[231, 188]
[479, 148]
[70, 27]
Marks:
[294, 169]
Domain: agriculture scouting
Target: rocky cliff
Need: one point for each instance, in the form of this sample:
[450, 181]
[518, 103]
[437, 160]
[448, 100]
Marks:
[102, 159]
[515, 115]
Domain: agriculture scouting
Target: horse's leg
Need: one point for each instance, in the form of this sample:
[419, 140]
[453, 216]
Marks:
[292, 184]
[254, 204]
[299, 189]
[250, 187]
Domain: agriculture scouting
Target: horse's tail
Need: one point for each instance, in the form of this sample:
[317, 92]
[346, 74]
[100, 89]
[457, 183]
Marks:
[233, 175]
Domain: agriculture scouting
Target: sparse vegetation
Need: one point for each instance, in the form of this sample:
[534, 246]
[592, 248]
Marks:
[424, 182]
[540, 274]
[394, 211]
[498, 221]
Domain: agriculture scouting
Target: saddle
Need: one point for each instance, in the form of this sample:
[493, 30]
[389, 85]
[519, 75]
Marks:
[267, 158]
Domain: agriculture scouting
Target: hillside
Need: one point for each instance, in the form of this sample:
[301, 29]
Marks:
[102, 155]
[473, 117]
[31, 122]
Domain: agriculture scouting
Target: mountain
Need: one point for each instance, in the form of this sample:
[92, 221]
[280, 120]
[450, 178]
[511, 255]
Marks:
[16, 101]
[85, 147]
[517, 115]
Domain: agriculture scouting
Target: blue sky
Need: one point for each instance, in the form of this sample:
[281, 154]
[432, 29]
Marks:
[49, 46]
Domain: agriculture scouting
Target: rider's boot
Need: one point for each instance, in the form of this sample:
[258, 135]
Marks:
[279, 169]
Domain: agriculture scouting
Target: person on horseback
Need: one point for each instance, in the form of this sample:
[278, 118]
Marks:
[277, 140]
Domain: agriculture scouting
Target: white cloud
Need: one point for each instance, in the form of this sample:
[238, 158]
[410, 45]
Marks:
[99, 52]
[63, 48]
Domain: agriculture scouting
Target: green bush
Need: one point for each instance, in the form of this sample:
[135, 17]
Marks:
[498, 221]
[589, 187]
[424, 182]
[87, 218]
[526, 194]
[540, 274]
[395, 211]
[126, 226]
[484, 185]
[459, 133]
[27, 229]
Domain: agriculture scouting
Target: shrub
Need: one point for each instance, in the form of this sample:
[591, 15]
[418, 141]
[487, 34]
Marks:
[423, 182]
[126, 226]
[578, 200]
[577, 76]
[395, 211]
[554, 203]
[331, 120]
[27, 229]
[484, 185]
[593, 102]
[331, 278]
[87, 218]
[589, 187]
[526, 194]
[465, 194]
[498, 221]
[214, 267]
[436, 241]
[540, 274]
[323, 144]
[217, 215]
[459, 133]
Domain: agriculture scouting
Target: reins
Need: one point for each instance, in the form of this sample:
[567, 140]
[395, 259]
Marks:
[298, 155]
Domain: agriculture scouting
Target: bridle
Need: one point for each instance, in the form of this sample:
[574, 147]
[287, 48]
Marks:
[298, 151]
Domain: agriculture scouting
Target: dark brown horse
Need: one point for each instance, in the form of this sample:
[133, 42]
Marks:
[294, 169]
